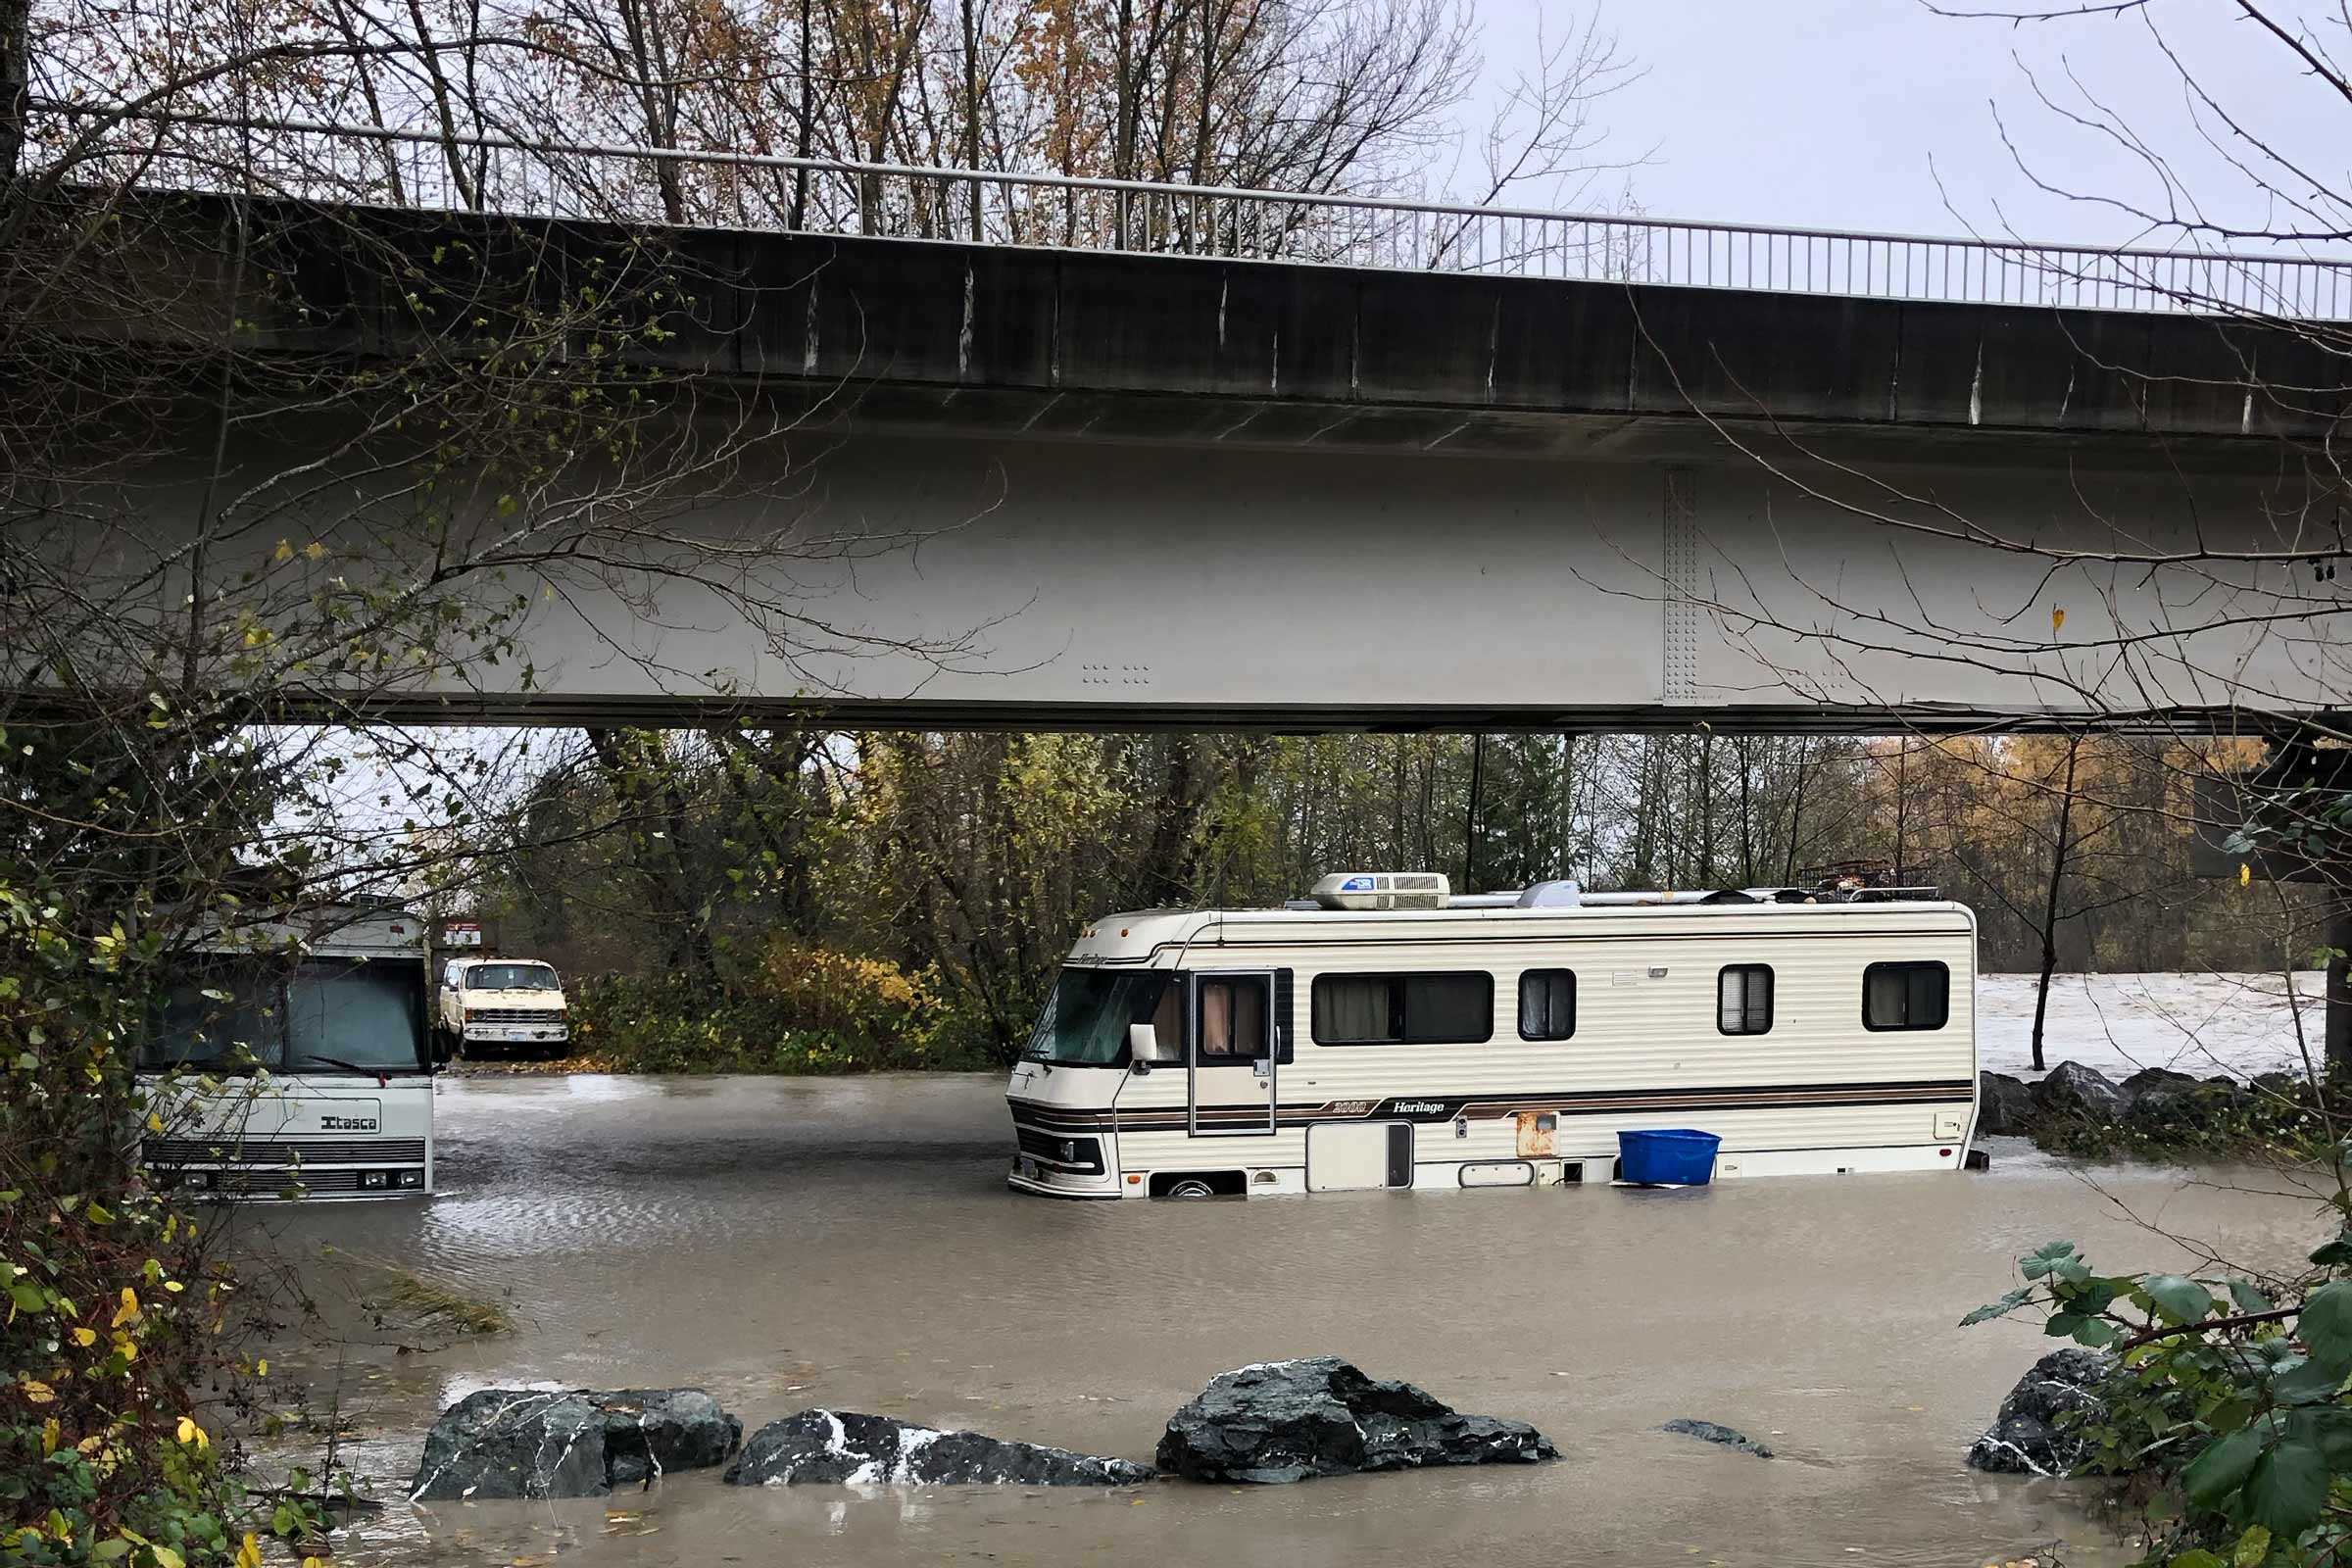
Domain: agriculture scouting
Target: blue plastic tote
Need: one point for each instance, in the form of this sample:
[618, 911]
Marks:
[1668, 1156]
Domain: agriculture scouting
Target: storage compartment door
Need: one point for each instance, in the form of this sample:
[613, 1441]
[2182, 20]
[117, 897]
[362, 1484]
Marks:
[1354, 1156]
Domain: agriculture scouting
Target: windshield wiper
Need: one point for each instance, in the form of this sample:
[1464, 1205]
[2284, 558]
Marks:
[349, 1066]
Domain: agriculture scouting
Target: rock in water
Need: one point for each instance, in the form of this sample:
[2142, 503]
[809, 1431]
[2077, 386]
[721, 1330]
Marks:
[1319, 1416]
[1709, 1432]
[822, 1445]
[568, 1442]
[648, 1431]
[2028, 1436]
[2004, 1105]
[2083, 1093]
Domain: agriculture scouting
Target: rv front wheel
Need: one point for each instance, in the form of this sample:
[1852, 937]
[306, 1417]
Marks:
[1192, 1187]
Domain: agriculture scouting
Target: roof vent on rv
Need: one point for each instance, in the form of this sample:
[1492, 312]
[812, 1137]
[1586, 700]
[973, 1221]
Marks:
[1382, 890]
[1551, 896]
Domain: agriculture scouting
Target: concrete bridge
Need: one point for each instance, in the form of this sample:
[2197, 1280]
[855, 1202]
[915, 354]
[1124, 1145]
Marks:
[1107, 476]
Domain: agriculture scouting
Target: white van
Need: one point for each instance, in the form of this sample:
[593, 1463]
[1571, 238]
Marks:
[1387, 1034]
[517, 1003]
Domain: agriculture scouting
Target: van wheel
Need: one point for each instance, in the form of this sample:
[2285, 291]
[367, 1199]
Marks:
[1191, 1187]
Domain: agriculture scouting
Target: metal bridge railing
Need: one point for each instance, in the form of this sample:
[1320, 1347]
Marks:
[428, 171]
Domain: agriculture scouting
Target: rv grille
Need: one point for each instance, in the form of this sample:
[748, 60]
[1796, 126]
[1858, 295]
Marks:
[277, 1152]
[1081, 1155]
[512, 1015]
[251, 1183]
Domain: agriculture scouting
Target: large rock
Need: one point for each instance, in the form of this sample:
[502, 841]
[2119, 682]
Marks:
[2084, 1094]
[2031, 1434]
[2157, 1099]
[822, 1445]
[1319, 1416]
[568, 1442]
[1714, 1432]
[2004, 1105]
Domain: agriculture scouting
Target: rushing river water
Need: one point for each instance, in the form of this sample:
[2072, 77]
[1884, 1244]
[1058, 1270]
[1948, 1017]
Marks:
[848, 1242]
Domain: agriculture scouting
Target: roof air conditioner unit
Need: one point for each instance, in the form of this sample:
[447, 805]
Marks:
[1382, 890]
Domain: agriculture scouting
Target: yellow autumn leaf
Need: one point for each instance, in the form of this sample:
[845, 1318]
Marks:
[2057, 620]
[249, 1555]
[314, 550]
[2245, 873]
[190, 1432]
[128, 1312]
[165, 1557]
[155, 1123]
[174, 1285]
[85, 1338]
[261, 1368]
[313, 1562]
[285, 550]
[51, 1436]
[40, 1393]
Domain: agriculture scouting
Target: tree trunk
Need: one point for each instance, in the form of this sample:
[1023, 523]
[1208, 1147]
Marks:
[1478, 768]
[15, 89]
[971, 106]
[2340, 988]
[2049, 902]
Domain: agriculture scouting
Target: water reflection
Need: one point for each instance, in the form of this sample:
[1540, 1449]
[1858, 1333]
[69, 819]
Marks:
[848, 1242]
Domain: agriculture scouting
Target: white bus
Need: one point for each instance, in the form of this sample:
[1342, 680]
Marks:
[292, 1060]
[1386, 1034]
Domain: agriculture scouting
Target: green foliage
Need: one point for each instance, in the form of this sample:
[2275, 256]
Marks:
[2227, 1405]
[2280, 1116]
[800, 1010]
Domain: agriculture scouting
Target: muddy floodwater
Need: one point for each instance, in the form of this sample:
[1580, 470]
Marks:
[849, 1244]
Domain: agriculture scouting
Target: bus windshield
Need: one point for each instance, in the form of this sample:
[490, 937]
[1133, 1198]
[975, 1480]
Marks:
[511, 977]
[1084, 1022]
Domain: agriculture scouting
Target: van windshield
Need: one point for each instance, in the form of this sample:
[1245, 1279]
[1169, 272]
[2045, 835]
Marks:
[511, 977]
[1084, 1022]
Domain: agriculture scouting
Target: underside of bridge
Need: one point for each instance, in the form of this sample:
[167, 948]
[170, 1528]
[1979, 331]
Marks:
[974, 486]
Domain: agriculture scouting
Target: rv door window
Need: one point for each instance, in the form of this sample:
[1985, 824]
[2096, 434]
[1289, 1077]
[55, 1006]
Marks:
[1233, 1019]
[1743, 999]
[1547, 1005]
[1409, 1010]
[1906, 995]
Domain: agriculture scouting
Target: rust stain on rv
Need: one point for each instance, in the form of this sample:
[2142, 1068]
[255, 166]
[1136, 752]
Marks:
[1537, 1134]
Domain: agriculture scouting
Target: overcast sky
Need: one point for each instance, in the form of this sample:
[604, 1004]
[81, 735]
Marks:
[1843, 113]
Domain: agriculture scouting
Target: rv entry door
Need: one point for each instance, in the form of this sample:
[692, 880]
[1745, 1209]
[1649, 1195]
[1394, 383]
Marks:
[1230, 1053]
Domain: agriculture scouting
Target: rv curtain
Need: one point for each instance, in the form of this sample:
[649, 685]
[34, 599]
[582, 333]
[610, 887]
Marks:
[1352, 1009]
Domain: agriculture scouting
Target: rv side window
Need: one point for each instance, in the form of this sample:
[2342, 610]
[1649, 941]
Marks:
[1743, 999]
[1404, 1010]
[1906, 995]
[1547, 1005]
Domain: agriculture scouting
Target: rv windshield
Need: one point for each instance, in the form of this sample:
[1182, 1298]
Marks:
[223, 1016]
[323, 1016]
[350, 1016]
[1084, 1022]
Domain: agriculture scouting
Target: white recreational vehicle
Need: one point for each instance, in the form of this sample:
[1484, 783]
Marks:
[1387, 1034]
[291, 1058]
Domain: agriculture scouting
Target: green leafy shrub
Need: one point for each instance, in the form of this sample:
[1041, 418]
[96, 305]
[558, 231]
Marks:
[2227, 1406]
[798, 1009]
